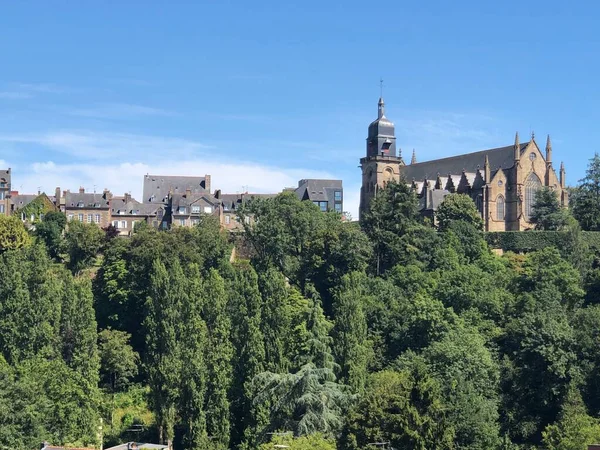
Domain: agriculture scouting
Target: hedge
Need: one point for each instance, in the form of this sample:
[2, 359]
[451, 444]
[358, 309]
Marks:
[527, 241]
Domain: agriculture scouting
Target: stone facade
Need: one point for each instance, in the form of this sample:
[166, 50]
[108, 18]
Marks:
[87, 207]
[501, 181]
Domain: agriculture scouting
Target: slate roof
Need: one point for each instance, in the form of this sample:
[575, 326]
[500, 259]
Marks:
[140, 445]
[21, 200]
[231, 202]
[500, 158]
[89, 200]
[157, 187]
[178, 200]
[318, 190]
[132, 207]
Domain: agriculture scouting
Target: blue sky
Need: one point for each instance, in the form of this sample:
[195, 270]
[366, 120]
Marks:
[260, 94]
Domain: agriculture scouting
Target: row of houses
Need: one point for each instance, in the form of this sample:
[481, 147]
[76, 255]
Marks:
[167, 201]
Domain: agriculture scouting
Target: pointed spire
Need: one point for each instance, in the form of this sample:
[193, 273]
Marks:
[563, 175]
[532, 135]
[413, 160]
[517, 147]
[548, 151]
[486, 169]
[380, 108]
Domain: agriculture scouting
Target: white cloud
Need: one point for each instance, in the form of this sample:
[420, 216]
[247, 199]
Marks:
[47, 88]
[90, 145]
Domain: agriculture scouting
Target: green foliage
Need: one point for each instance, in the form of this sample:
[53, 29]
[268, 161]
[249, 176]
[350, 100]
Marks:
[458, 208]
[83, 242]
[518, 241]
[575, 429]
[585, 199]
[403, 408]
[548, 214]
[50, 231]
[13, 234]
[119, 363]
[313, 442]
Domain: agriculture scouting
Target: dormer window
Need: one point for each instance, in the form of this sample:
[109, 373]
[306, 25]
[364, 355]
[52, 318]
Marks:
[80, 205]
[96, 205]
[196, 209]
[182, 210]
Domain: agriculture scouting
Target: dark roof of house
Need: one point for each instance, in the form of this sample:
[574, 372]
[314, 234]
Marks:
[139, 445]
[231, 202]
[157, 187]
[317, 190]
[119, 205]
[500, 158]
[178, 200]
[89, 200]
[21, 200]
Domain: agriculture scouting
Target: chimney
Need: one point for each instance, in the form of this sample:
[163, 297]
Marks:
[127, 197]
[81, 190]
[57, 195]
[218, 194]
[188, 192]
[207, 183]
[107, 194]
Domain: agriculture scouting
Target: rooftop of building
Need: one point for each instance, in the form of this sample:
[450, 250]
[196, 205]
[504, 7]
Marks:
[158, 187]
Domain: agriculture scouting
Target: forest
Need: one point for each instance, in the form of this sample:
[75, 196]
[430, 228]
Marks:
[392, 333]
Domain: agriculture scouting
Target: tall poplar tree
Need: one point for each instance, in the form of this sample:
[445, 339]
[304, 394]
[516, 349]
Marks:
[350, 338]
[193, 341]
[249, 356]
[163, 362]
[219, 353]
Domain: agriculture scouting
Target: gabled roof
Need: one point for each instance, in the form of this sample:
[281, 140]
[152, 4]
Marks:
[317, 190]
[500, 158]
[231, 202]
[88, 200]
[119, 206]
[157, 187]
[139, 445]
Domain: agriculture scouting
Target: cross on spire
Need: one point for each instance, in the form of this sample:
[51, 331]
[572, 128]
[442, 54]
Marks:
[381, 87]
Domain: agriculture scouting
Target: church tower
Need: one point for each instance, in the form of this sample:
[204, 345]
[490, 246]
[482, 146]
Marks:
[381, 163]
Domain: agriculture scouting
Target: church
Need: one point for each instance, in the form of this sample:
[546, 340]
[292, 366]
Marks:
[501, 181]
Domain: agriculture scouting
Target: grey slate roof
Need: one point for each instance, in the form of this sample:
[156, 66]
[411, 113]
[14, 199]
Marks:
[318, 190]
[157, 187]
[140, 445]
[231, 202]
[89, 200]
[178, 200]
[119, 206]
[21, 200]
[500, 158]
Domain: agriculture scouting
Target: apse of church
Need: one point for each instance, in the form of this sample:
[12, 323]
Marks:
[501, 181]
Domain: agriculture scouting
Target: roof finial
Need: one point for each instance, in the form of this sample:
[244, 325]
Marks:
[413, 160]
[517, 147]
[517, 139]
[532, 135]
[380, 87]
[548, 151]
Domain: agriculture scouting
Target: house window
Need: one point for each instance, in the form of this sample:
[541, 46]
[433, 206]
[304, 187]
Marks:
[97, 218]
[80, 205]
[227, 219]
[322, 205]
[338, 207]
[182, 222]
[90, 218]
[80, 216]
[70, 217]
[207, 209]
[337, 196]
[196, 209]
[532, 185]
[1, 209]
[115, 224]
[123, 224]
[195, 221]
[2, 194]
[182, 210]
[500, 208]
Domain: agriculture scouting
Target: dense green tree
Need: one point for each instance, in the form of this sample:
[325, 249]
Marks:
[575, 429]
[350, 338]
[311, 442]
[13, 234]
[585, 199]
[219, 354]
[162, 358]
[83, 242]
[118, 361]
[538, 366]
[193, 340]
[586, 325]
[403, 408]
[50, 231]
[458, 208]
[548, 214]
[249, 356]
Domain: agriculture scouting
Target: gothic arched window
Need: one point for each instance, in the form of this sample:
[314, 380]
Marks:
[500, 208]
[532, 185]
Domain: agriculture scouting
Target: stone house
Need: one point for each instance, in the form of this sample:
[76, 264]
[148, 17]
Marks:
[87, 207]
[126, 212]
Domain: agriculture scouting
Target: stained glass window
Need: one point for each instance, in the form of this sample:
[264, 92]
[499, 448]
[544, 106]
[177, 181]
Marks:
[500, 208]
[532, 185]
